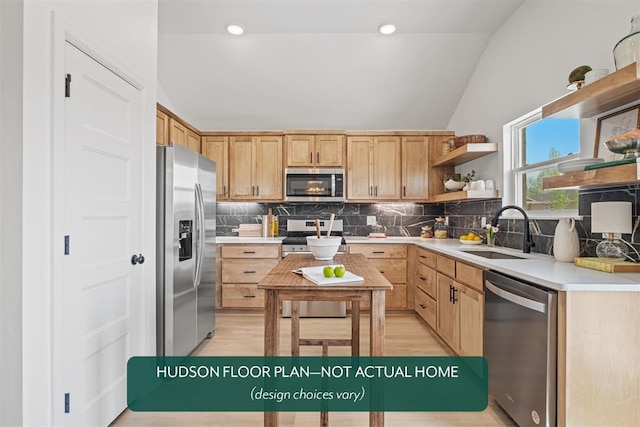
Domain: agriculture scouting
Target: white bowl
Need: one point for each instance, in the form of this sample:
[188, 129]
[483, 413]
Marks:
[323, 248]
[452, 185]
[471, 242]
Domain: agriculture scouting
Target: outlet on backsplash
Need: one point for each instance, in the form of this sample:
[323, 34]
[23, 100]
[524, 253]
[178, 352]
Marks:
[371, 220]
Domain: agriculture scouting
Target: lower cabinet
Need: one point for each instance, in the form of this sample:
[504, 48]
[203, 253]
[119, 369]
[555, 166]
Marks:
[391, 261]
[460, 307]
[449, 298]
[242, 268]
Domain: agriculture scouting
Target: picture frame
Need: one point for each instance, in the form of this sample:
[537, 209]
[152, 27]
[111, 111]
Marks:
[614, 124]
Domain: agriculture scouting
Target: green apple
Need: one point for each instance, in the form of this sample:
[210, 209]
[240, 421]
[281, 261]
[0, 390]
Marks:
[327, 271]
[340, 270]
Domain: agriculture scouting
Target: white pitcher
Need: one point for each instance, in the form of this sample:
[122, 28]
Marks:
[566, 245]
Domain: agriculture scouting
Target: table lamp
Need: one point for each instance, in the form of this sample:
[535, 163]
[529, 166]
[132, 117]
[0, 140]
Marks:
[610, 218]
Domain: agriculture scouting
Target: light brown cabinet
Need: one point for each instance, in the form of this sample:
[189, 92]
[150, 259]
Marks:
[415, 168]
[460, 305]
[242, 268]
[162, 128]
[216, 148]
[255, 168]
[391, 261]
[426, 288]
[315, 151]
[182, 135]
[373, 168]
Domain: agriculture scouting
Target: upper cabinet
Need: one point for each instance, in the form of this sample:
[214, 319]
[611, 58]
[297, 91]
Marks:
[255, 168]
[162, 128]
[314, 151]
[373, 168]
[216, 148]
[415, 168]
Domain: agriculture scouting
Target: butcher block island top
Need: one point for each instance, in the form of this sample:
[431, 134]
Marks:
[282, 276]
[282, 284]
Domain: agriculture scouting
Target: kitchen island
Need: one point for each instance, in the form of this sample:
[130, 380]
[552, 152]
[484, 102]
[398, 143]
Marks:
[282, 284]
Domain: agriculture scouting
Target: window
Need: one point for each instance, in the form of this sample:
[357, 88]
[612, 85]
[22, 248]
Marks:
[533, 147]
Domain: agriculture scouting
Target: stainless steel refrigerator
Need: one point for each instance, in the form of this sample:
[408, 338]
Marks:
[186, 249]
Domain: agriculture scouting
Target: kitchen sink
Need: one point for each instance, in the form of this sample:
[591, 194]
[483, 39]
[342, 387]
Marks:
[492, 254]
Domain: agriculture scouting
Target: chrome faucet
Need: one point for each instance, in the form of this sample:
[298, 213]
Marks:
[527, 242]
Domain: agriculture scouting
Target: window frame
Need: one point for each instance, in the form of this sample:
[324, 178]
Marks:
[513, 172]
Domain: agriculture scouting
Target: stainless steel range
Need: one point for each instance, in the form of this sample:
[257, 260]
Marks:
[296, 242]
[299, 229]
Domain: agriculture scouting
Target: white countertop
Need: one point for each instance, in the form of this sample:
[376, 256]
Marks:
[537, 268]
[541, 269]
[235, 239]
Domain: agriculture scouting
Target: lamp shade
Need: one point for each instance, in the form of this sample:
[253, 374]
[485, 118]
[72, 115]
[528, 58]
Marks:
[611, 217]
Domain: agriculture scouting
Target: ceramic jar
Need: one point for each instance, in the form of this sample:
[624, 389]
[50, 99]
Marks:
[566, 245]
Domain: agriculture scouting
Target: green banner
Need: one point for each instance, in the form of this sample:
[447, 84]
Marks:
[280, 384]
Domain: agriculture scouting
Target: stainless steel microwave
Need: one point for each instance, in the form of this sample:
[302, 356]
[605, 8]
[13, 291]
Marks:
[314, 185]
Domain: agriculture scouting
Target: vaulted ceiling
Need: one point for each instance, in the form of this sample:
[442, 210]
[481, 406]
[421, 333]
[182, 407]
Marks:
[321, 64]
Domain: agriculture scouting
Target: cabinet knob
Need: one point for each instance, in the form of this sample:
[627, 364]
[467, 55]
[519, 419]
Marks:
[137, 259]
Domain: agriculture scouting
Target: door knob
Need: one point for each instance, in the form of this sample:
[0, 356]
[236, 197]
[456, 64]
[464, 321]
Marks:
[137, 259]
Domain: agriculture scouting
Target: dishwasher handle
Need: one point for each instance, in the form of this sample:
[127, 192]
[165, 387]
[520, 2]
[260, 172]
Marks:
[516, 299]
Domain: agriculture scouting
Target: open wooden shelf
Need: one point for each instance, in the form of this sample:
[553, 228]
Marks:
[614, 175]
[615, 90]
[464, 195]
[466, 153]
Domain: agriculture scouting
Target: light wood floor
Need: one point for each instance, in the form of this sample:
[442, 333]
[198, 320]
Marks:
[241, 334]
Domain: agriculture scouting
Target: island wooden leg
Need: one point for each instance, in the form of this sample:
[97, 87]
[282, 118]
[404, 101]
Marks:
[355, 328]
[376, 345]
[271, 340]
[295, 328]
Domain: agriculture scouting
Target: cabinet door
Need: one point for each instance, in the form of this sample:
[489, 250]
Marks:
[267, 167]
[216, 148]
[415, 175]
[386, 166]
[471, 319]
[300, 150]
[241, 155]
[162, 128]
[448, 319]
[359, 168]
[177, 133]
[329, 150]
[193, 141]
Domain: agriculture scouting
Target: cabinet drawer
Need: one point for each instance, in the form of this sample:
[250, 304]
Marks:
[426, 257]
[241, 296]
[425, 306]
[394, 270]
[426, 280]
[243, 271]
[379, 250]
[250, 251]
[469, 275]
[446, 265]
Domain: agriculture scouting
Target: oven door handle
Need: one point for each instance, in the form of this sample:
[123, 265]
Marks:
[516, 299]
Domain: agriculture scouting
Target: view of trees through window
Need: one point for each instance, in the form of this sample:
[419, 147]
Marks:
[543, 141]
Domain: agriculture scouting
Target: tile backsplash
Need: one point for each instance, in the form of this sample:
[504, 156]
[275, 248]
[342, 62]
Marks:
[406, 219]
[402, 219]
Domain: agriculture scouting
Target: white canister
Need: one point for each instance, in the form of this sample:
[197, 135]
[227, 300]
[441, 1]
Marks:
[566, 245]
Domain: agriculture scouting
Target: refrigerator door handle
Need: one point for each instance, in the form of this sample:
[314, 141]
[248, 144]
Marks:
[200, 231]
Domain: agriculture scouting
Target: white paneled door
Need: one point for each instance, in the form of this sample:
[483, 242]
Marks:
[102, 207]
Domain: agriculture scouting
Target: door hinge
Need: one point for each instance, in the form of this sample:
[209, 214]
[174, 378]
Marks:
[67, 86]
[66, 245]
[66, 403]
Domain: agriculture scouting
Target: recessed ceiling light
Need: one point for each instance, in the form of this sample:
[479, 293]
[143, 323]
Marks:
[387, 29]
[235, 29]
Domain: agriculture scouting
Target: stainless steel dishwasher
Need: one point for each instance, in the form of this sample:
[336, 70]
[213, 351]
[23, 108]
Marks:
[520, 344]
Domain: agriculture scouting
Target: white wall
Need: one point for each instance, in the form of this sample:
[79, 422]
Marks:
[528, 61]
[126, 31]
[11, 212]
